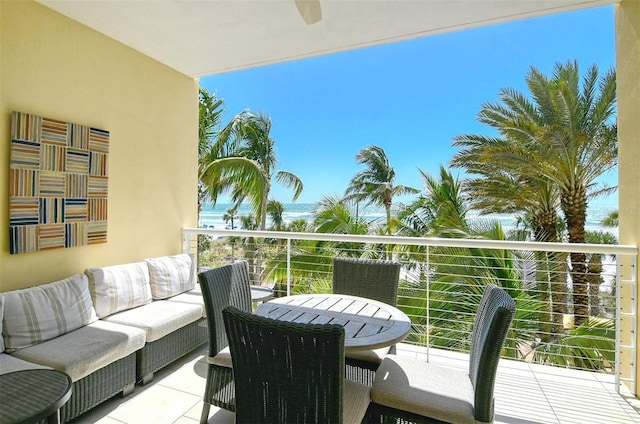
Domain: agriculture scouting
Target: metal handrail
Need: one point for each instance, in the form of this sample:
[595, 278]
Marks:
[608, 249]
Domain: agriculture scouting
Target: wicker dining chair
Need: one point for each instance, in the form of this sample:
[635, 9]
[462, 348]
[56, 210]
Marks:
[225, 286]
[288, 372]
[408, 390]
[373, 279]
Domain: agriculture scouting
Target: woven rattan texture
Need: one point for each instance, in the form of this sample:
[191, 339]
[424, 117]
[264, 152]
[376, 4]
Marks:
[286, 372]
[32, 394]
[99, 386]
[373, 279]
[162, 352]
[225, 286]
[492, 322]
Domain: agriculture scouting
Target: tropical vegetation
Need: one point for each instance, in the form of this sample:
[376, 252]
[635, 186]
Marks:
[542, 166]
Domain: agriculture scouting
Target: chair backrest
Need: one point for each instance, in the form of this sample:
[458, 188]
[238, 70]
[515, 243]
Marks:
[494, 316]
[225, 286]
[373, 279]
[285, 372]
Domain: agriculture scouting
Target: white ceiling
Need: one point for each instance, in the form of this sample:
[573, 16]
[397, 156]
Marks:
[205, 37]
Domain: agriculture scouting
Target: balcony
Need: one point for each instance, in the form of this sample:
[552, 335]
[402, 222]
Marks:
[547, 375]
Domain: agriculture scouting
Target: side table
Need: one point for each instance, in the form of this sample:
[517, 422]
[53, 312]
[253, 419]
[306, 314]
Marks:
[29, 396]
[260, 293]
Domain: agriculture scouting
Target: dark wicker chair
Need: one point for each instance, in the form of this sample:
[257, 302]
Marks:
[373, 279]
[291, 372]
[225, 286]
[411, 391]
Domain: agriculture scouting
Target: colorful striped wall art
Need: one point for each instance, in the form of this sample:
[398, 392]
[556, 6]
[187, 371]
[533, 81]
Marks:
[58, 184]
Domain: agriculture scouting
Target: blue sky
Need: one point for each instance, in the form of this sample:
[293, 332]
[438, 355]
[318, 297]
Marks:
[410, 98]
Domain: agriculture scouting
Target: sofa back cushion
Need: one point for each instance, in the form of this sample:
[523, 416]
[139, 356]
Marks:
[119, 287]
[171, 275]
[40, 313]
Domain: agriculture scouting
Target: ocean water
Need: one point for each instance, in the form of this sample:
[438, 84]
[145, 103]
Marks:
[212, 217]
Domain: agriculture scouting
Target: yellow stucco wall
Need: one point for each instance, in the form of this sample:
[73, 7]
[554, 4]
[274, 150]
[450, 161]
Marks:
[54, 67]
[628, 88]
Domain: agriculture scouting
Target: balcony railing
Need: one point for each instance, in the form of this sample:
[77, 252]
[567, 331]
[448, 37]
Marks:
[442, 280]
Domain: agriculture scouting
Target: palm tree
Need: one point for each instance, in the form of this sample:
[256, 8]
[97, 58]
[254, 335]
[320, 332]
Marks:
[275, 210]
[336, 215]
[210, 113]
[333, 214]
[230, 216]
[611, 220]
[251, 248]
[376, 184]
[564, 135]
[595, 268]
[503, 186]
[311, 260]
[248, 167]
[457, 276]
[440, 210]
[245, 167]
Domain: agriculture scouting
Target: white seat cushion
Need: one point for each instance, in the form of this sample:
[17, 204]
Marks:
[425, 389]
[158, 318]
[222, 359]
[9, 363]
[85, 350]
[356, 401]
[193, 296]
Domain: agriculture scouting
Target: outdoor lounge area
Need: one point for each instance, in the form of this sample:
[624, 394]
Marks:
[125, 81]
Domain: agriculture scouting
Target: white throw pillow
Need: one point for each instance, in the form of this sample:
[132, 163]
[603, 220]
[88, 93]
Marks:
[171, 275]
[119, 287]
[40, 313]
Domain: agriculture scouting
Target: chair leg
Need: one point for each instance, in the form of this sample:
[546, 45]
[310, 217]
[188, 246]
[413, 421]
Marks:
[205, 413]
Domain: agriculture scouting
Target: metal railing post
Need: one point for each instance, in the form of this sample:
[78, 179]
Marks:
[428, 305]
[288, 267]
[632, 314]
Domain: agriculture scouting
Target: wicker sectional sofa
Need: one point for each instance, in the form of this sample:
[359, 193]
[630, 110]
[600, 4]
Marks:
[109, 328]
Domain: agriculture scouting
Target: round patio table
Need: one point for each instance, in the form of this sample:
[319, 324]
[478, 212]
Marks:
[29, 396]
[368, 324]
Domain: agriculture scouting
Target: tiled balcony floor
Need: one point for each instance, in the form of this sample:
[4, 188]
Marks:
[525, 394]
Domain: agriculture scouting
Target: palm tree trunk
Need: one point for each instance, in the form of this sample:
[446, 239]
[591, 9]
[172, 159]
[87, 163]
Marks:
[558, 291]
[574, 206]
[595, 280]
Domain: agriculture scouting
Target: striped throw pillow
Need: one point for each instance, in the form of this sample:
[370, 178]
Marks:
[40, 313]
[171, 275]
[119, 287]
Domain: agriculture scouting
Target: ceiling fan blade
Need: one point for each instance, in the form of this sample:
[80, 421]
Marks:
[309, 10]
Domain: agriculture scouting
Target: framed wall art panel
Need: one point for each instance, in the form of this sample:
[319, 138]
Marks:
[58, 184]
